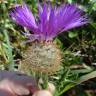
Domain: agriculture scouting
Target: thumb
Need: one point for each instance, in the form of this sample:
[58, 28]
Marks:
[42, 93]
[19, 89]
[6, 93]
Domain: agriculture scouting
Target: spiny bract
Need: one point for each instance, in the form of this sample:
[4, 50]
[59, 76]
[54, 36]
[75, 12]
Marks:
[40, 57]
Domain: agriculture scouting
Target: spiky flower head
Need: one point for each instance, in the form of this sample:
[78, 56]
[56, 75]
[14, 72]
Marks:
[51, 21]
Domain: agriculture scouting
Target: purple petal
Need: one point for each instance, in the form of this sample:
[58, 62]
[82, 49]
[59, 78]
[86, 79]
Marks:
[68, 17]
[23, 16]
[51, 21]
[56, 20]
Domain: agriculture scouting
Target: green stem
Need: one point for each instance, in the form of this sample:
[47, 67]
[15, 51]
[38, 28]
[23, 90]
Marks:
[45, 80]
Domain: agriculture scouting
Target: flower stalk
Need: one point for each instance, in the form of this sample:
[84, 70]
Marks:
[45, 81]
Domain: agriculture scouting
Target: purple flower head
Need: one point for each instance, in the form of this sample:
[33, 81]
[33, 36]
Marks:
[51, 20]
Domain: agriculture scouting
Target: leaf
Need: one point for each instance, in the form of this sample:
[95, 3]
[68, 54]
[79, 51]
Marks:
[87, 77]
[69, 1]
[79, 81]
[72, 34]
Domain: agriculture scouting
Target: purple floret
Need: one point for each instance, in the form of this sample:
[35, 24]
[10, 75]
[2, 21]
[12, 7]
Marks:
[51, 20]
[23, 16]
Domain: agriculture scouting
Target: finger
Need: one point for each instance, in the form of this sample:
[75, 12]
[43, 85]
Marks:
[42, 93]
[51, 87]
[5, 85]
[13, 88]
[19, 89]
[6, 93]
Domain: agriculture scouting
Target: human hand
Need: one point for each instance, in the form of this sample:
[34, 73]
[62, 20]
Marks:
[17, 84]
[14, 84]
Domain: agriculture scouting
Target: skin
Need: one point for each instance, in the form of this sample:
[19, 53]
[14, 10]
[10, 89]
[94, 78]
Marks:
[17, 84]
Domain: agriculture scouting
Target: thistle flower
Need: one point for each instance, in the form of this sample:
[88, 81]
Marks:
[51, 21]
